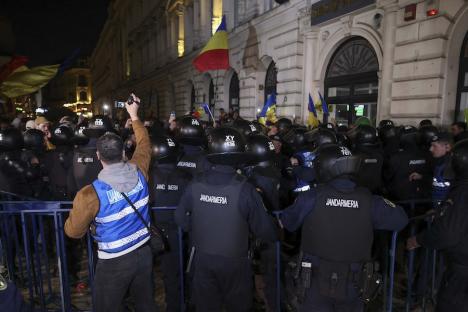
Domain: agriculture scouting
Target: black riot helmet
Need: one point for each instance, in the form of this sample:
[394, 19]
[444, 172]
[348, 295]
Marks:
[226, 146]
[62, 135]
[164, 149]
[11, 140]
[408, 137]
[80, 138]
[34, 140]
[191, 132]
[294, 139]
[261, 127]
[426, 134]
[97, 126]
[245, 127]
[333, 161]
[460, 159]
[319, 137]
[388, 133]
[386, 123]
[366, 136]
[283, 124]
[261, 147]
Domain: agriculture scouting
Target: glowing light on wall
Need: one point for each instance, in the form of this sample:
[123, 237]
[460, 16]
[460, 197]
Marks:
[217, 14]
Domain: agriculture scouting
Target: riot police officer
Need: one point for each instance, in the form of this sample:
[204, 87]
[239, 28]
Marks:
[367, 146]
[86, 166]
[402, 169]
[192, 140]
[266, 179]
[337, 219]
[59, 162]
[448, 233]
[34, 155]
[14, 169]
[167, 184]
[220, 208]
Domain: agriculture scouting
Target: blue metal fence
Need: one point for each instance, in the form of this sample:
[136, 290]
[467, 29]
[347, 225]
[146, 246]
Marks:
[32, 234]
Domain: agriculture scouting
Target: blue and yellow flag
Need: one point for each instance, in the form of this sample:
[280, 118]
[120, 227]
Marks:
[312, 120]
[268, 112]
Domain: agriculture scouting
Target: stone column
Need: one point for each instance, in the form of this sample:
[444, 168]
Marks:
[386, 75]
[310, 46]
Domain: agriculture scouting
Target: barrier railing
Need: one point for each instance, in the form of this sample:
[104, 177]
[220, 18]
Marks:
[32, 235]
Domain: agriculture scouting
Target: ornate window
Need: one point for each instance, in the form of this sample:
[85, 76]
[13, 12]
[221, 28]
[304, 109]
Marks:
[351, 82]
[270, 79]
[82, 81]
[83, 96]
[234, 93]
[462, 93]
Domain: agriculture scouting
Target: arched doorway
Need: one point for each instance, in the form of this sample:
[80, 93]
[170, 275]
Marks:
[351, 82]
[462, 91]
[270, 80]
[234, 93]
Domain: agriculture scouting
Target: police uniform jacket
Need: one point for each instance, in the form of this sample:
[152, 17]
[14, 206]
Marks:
[344, 201]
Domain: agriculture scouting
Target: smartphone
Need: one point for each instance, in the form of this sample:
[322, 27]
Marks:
[119, 104]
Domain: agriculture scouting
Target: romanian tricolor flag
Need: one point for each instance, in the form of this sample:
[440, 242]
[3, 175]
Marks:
[215, 55]
[14, 64]
[268, 112]
[312, 120]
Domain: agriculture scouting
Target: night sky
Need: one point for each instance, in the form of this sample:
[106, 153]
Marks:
[48, 31]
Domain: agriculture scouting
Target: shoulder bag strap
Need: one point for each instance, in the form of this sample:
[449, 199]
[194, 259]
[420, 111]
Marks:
[136, 210]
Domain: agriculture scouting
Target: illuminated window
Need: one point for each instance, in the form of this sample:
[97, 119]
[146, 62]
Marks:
[217, 14]
[180, 40]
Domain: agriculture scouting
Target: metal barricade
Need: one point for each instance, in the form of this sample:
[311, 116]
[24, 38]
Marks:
[26, 247]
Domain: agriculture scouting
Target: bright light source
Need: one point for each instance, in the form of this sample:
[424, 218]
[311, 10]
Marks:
[432, 12]
[105, 106]
[41, 110]
[258, 110]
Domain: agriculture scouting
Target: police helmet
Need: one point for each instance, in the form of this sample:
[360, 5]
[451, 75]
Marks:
[294, 139]
[386, 123]
[460, 159]
[328, 126]
[191, 131]
[261, 127]
[425, 122]
[226, 146]
[388, 133]
[80, 138]
[320, 136]
[426, 134]
[62, 135]
[34, 140]
[245, 127]
[98, 126]
[261, 147]
[164, 147]
[333, 161]
[366, 136]
[283, 124]
[408, 137]
[11, 140]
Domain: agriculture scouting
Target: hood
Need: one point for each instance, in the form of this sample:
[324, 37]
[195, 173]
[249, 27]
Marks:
[122, 177]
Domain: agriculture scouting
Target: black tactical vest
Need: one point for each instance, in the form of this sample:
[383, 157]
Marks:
[166, 189]
[218, 228]
[267, 179]
[370, 172]
[58, 162]
[340, 227]
[86, 166]
[193, 164]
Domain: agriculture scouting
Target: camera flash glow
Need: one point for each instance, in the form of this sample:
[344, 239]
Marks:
[105, 106]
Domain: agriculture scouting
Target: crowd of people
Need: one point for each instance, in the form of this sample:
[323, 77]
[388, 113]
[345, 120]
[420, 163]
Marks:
[239, 186]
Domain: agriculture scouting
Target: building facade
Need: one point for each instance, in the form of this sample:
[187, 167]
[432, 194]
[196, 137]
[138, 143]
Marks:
[72, 89]
[400, 59]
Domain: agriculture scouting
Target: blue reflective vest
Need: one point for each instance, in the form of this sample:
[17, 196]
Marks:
[440, 185]
[119, 230]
